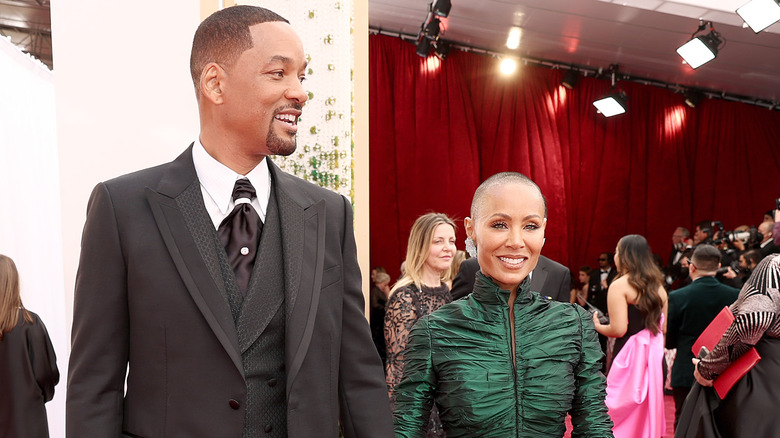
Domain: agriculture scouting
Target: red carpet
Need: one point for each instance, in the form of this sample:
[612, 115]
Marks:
[668, 403]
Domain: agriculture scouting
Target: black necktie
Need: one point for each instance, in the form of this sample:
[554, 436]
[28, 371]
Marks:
[240, 233]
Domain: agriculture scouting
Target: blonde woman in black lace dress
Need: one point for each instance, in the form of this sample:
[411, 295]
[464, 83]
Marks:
[420, 291]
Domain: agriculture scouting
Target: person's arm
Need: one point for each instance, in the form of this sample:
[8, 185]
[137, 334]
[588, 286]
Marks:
[400, 316]
[776, 227]
[589, 416]
[414, 394]
[100, 335]
[755, 315]
[618, 310]
[43, 359]
[364, 407]
[673, 323]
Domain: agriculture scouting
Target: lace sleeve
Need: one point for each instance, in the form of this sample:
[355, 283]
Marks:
[401, 313]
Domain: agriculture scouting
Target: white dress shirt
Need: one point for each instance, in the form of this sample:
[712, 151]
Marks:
[217, 181]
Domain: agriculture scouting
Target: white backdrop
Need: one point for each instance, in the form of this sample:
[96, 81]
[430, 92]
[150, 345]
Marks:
[30, 197]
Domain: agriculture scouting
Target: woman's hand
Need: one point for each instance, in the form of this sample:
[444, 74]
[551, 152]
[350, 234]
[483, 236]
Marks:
[702, 381]
[596, 321]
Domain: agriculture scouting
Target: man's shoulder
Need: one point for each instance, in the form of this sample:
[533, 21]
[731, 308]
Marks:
[294, 184]
[551, 265]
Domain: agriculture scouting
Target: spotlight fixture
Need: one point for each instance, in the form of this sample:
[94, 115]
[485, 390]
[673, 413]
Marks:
[760, 14]
[442, 49]
[693, 97]
[570, 79]
[442, 8]
[508, 66]
[612, 104]
[424, 47]
[701, 49]
[432, 29]
[513, 40]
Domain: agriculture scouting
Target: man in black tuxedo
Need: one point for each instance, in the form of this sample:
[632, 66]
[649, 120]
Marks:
[691, 309]
[285, 351]
[549, 278]
[767, 245]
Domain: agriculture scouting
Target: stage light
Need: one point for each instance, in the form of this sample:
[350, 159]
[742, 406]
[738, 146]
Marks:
[692, 98]
[760, 14]
[508, 66]
[424, 47]
[442, 8]
[701, 49]
[612, 104]
[431, 30]
[442, 49]
[513, 40]
[570, 79]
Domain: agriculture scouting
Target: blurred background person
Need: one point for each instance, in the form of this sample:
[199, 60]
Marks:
[637, 305]
[691, 309]
[504, 361]
[579, 291]
[28, 366]
[420, 291]
[378, 299]
[750, 407]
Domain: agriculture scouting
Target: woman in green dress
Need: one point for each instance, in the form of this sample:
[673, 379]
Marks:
[504, 361]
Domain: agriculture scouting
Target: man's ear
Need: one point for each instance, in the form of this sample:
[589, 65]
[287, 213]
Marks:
[211, 81]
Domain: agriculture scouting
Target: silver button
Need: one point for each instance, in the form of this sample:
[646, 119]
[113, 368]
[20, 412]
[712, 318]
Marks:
[244, 250]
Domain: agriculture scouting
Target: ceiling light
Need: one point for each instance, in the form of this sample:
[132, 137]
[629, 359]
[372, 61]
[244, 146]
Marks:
[612, 104]
[508, 66]
[693, 97]
[431, 30]
[442, 8]
[760, 14]
[442, 49]
[513, 40]
[424, 47]
[570, 79]
[701, 49]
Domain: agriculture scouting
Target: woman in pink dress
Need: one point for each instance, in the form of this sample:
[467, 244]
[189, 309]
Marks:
[637, 304]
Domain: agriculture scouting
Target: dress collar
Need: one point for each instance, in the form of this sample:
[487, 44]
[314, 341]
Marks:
[485, 289]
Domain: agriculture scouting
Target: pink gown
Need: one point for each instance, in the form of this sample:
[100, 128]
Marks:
[635, 387]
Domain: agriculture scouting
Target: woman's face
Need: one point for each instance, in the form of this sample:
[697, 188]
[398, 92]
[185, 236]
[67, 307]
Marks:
[584, 277]
[509, 233]
[442, 248]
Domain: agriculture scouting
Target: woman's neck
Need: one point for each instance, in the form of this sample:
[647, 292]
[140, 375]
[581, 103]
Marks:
[430, 277]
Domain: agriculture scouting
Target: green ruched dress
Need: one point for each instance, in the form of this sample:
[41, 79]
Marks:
[460, 356]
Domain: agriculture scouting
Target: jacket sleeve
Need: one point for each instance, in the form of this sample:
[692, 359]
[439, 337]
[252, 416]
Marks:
[99, 339]
[589, 414]
[673, 324]
[44, 361]
[365, 408]
[414, 395]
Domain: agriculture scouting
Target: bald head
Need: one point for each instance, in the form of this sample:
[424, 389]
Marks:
[496, 180]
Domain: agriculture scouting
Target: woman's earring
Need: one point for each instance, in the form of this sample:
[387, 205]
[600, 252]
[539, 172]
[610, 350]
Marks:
[471, 247]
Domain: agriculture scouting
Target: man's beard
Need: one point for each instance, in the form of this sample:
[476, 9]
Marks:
[280, 146]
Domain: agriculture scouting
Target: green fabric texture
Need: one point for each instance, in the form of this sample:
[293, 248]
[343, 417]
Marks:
[460, 356]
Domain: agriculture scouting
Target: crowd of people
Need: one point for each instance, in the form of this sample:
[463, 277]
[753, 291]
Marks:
[646, 316]
[218, 296]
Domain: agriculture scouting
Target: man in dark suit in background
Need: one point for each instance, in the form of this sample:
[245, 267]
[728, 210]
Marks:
[549, 278]
[598, 284]
[691, 309]
[212, 346]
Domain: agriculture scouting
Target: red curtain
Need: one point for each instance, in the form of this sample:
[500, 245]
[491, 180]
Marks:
[437, 129]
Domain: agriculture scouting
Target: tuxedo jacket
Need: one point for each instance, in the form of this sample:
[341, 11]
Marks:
[147, 309]
[549, 278]
[691, 309]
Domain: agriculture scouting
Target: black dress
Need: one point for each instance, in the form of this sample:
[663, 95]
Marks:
[636, 323]
[28, 373]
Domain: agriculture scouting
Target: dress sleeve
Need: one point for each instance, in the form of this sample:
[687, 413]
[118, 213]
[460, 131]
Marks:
[400, 315]
[43, 359]
[414, 394]
[754, 314]
[589, 414]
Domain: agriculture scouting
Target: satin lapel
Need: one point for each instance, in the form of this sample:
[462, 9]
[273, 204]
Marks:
[303, 239]
[191, 264]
